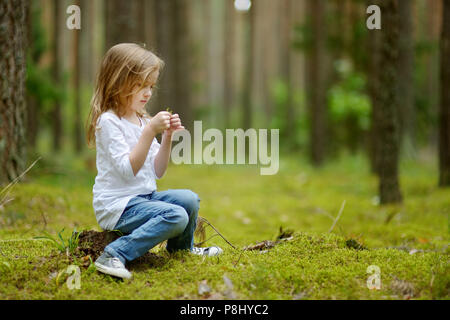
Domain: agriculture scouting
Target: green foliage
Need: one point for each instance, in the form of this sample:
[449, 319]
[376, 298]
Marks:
[347, 99]
[69, 245]
[40, 84]
[349, 107]
[91, 269]
[348, 104]
[280, 96]
[303, 39]
[39, 39]
[426, 77]
[337, 44]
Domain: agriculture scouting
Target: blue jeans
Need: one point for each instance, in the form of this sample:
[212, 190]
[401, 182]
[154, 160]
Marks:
[150, 219]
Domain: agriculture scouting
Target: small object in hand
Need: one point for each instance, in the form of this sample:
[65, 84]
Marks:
[169, 110]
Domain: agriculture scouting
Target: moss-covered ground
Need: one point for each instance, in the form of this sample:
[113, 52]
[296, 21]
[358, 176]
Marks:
[408, 242]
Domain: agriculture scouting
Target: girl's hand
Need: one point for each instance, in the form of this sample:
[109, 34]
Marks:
[159, 123]
[175, 124]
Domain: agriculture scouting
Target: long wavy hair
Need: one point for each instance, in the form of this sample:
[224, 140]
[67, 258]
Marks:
[125, 69]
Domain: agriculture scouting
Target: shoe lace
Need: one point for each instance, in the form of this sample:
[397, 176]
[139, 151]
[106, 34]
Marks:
[116, 263]
[198, 250]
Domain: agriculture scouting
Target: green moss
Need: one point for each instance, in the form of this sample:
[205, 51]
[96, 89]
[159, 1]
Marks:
[246, 208]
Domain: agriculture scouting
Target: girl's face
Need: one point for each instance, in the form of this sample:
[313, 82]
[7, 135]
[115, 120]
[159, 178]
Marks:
[140, 98]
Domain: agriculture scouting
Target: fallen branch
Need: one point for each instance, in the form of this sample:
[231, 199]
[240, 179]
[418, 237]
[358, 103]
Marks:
[267, 244]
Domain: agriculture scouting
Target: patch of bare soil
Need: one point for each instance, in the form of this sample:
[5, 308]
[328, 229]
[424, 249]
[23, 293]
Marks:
[91, 243]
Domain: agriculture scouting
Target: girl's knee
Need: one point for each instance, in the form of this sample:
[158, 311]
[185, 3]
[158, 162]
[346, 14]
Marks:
[179, 218]
[191, 201]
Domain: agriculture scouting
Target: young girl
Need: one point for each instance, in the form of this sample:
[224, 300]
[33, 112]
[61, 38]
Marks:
[130, 159]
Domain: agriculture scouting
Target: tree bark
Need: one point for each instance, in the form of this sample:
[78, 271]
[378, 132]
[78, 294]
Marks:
[182, 67]
[164, 33]
[77, 129]
[389, 103]
[316, 66]
[174, 46]
[406, 76]
[13, 14]
[248, 75]
[56, 112]
[373, 83]
[122, 23]
[229, 92]
[433, 21]
[285, 63]
[444, 114]
[32, 105]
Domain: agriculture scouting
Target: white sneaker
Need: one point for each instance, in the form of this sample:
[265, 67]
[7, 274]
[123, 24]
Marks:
[112, 266]
[209, 251]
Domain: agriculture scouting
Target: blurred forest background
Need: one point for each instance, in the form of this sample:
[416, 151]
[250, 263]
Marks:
[364, 123]
[309, 68]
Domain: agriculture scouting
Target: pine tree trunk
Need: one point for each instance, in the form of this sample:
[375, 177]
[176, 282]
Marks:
[173, 45]
[56, 112]
[13, 109]
[164, 21]
[248, 75]
[122, 23]
[32, 105]
[316, 64]
[230, 28]
[182, 66]
[285, 63]
[77, 132]
[406, 76]
[444, 128]
[373, 76]
[389, 103]
[433, 10]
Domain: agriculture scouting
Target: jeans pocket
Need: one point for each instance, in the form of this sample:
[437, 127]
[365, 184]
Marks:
[120, 222]
[126, 212]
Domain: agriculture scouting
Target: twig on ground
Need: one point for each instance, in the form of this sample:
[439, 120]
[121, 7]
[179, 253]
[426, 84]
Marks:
[240, 255]
[208, 223]
[338, 216]
[202, 242]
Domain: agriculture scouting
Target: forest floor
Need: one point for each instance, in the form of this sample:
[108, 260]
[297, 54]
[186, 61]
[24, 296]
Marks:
[407, 243]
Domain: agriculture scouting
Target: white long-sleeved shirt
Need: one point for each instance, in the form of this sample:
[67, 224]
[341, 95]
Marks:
[116, 183]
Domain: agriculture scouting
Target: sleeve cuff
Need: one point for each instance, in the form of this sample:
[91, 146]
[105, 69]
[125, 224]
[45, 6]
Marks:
[153, 168]
[128, 169]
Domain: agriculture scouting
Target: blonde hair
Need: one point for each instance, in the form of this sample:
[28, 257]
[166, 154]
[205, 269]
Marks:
[125, 69]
